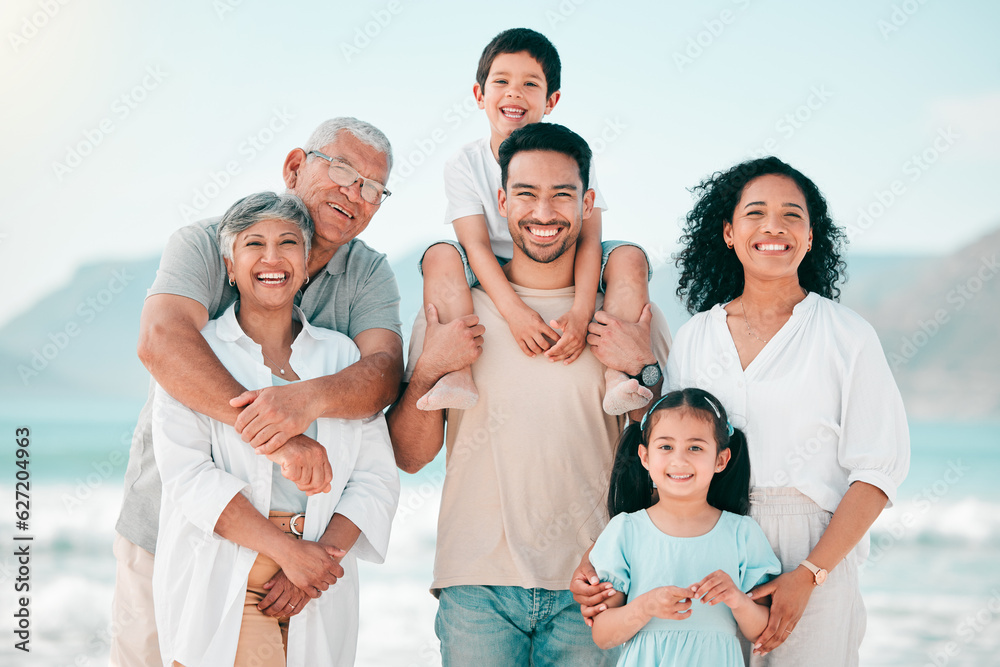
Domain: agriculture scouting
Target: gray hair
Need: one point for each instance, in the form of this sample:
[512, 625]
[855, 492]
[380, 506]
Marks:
[366, 133]
[258, 207]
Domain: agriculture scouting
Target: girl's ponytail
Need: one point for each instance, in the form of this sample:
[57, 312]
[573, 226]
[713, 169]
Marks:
[730, 489]
[631, 488]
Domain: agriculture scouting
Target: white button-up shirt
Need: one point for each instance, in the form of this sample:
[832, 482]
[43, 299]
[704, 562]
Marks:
[199, 578]
[818, 404]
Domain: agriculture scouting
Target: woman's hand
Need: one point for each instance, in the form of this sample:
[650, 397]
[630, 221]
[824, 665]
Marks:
[304, 462]
[719, 587]
[588, 591]
[789, 596]
[311, 566]
[284, 599]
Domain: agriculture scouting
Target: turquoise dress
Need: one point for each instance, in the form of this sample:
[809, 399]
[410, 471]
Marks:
[636, 556]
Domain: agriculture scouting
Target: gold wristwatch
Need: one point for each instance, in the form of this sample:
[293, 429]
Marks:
[819, 574]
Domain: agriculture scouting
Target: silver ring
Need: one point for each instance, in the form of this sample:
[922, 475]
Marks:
[291, 605]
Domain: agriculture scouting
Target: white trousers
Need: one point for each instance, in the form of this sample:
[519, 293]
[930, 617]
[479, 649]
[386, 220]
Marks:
[830, 631]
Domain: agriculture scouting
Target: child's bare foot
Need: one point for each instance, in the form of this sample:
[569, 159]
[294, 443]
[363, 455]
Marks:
[454, 390]
[623, 394]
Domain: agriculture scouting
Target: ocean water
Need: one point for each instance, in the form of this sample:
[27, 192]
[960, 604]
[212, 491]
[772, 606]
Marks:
[932, 585]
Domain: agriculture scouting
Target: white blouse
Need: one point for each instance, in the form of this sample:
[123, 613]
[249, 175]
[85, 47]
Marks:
[819, 405]
[199, 578]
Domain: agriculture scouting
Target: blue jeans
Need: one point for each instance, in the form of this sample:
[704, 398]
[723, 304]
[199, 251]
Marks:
[497, 626]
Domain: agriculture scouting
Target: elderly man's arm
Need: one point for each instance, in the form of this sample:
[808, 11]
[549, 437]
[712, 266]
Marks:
[182, 362]
[417, 435]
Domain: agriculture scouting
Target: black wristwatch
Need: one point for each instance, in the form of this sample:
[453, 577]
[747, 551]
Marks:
[649, 375]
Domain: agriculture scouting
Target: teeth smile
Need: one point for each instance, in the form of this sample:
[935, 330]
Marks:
[688, 476]
[512, 112]
[338, 208]
[544, 231]
[272, 278]
[772, 246]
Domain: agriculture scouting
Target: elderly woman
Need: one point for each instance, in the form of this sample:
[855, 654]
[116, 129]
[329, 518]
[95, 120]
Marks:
[806, 379]
[230, 522]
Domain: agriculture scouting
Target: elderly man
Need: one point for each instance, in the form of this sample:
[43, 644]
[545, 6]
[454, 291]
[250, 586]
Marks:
[340, 175]
[528, 465]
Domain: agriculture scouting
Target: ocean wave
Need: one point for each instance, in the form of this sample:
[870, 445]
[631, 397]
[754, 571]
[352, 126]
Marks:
[929, 521]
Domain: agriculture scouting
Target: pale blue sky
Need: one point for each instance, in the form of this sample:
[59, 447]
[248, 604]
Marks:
[208, 79]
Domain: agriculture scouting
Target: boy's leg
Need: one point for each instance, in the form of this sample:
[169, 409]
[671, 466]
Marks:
[563, 638]
[484, 626]
[625, 280]
[446, 285]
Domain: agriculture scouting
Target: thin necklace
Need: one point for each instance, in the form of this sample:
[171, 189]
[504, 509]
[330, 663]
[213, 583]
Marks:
[750, 331]
[282, 370]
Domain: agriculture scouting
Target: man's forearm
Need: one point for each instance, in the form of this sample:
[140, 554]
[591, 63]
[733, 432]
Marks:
[417, 435]
[361, 389]
[183, 363]
[341, 532]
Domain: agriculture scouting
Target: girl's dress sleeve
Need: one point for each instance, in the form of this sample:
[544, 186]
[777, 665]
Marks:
[757, 560]
[610, 555]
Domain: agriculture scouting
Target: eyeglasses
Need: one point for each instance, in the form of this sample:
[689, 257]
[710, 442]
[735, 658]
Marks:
[345, 176]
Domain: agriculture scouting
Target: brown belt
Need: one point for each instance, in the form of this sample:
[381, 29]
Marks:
[289, 522]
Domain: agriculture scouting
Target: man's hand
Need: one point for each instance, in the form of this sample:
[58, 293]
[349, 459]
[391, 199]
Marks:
[621, 345]
[574, 335]
[274, 414]
[304, 462]
[449, 347]
[588, 591]
[310, 566]
[530, 331]
[284, 598]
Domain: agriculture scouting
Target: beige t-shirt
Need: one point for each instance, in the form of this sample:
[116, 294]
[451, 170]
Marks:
[528, 466]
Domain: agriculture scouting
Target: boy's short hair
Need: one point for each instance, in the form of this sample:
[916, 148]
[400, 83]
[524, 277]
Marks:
[517, 40]
[546, 137]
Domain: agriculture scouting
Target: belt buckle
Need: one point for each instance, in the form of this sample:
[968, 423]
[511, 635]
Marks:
[291, 524]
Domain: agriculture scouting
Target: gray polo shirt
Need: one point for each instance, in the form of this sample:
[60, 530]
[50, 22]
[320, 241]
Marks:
[357, 291]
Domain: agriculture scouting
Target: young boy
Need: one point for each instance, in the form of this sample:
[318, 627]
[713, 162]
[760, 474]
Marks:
[517, 83]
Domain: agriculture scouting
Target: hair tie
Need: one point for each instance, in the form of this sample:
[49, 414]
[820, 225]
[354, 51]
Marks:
[729, 427]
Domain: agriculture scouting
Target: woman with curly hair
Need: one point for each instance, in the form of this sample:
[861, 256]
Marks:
[807, 381]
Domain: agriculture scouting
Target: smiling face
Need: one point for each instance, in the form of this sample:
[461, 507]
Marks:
[268, 264]
[544, 203]
[770, 229]
[514, 95]
[682, 456]
[338, 212]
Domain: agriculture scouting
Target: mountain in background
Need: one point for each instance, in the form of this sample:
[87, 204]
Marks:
[937, 317]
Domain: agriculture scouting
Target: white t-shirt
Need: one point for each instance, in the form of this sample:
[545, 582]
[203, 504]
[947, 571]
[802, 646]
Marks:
[819, 405]
[471, 181]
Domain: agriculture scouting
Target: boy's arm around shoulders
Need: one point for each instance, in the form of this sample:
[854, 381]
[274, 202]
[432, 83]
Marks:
[417, 435]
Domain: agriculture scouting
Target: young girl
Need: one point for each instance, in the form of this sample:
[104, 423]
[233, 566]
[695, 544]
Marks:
[679, 542]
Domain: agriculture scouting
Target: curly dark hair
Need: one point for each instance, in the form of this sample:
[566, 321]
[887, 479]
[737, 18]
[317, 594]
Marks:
[710, 271]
